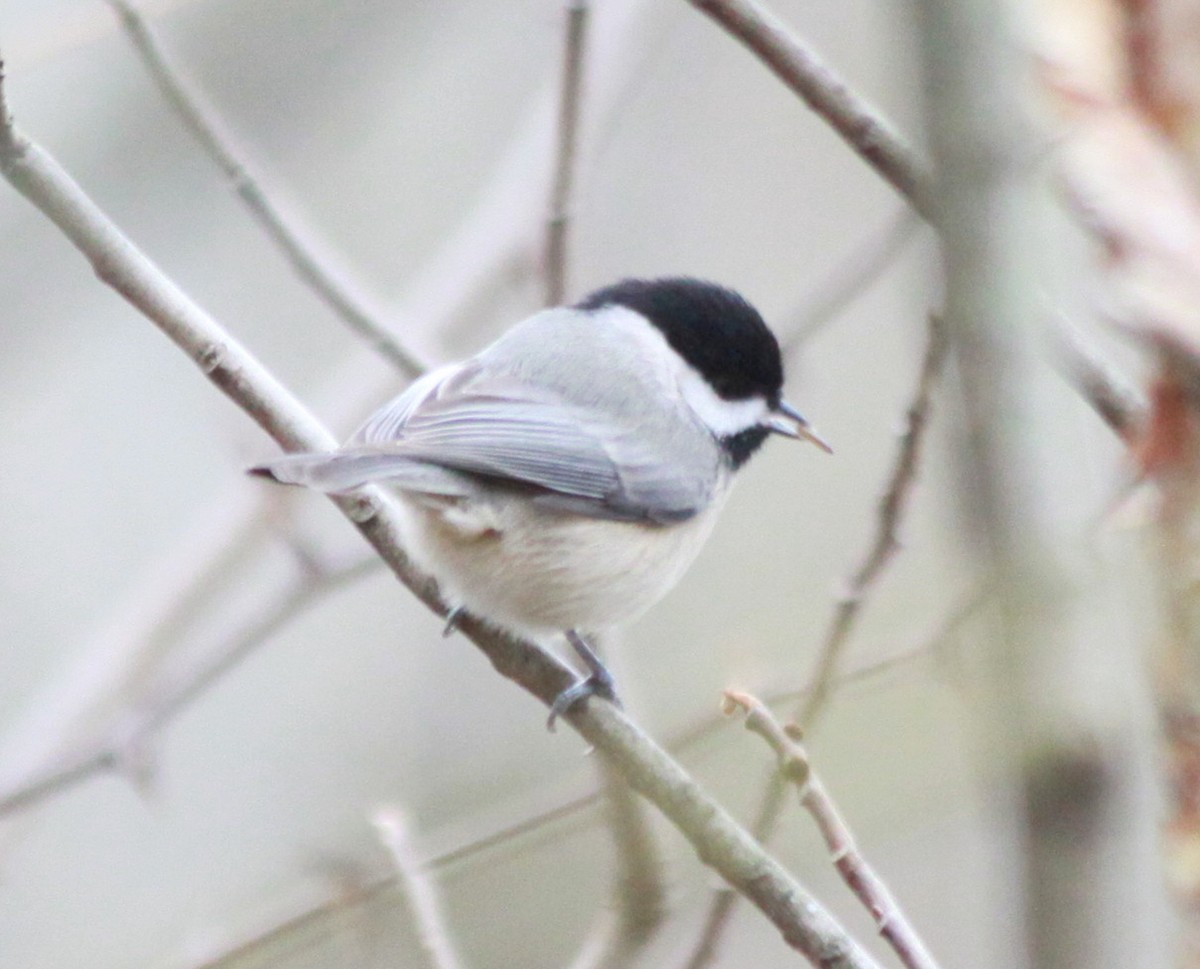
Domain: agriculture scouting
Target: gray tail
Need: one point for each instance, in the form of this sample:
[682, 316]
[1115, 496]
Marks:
[335, 472]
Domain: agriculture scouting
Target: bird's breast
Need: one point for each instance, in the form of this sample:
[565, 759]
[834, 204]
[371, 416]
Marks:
[538, 571]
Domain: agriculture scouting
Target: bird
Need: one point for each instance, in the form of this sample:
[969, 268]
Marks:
[562, 480]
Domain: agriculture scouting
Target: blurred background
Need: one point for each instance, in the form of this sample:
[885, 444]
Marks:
[415, 142]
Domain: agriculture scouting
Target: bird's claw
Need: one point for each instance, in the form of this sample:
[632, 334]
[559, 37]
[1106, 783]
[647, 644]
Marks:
[598, 683]
[452, 618]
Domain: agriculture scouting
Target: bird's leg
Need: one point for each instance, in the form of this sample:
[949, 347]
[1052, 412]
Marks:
[452, 618]
[599, 681]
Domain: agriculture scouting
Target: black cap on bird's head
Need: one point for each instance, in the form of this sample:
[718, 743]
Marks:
[725, 339]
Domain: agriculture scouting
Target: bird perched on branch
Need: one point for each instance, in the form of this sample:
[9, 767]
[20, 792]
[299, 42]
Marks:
[562, 480]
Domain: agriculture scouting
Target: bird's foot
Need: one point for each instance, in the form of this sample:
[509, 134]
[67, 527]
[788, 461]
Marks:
[452, 618]
[599, 682]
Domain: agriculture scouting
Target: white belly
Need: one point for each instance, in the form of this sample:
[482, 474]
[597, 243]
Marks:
[538, 572]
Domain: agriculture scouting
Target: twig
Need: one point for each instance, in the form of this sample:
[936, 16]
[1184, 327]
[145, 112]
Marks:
[883, 546]
[802, 70]
[724, 900]
[795, 766]
[1097, 382]
[639, 900]
[315, 268]
[717, 838]
[892, 507]
[143, 721]
[558, 223]
[171, 595]
[419, 889]
[849, 279]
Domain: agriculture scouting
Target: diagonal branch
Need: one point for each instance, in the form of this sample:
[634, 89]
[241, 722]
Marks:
[313, 267]
[558, 223]
[850, 277]
[719, 841]
[419, 890]
[802, 70]
[797, 770]
[892, 507]
[638, 901]
[1097, 382]
[130, 736]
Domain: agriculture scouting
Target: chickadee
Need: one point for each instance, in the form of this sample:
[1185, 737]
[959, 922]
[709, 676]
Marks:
[563, 479]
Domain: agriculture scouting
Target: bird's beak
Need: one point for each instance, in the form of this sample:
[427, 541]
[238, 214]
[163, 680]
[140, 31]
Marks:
[786, 420]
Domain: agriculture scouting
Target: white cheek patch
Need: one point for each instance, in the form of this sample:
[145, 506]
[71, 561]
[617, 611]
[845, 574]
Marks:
[723, 417]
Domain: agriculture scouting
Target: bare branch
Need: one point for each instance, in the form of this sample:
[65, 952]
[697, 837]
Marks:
[232, 955]
[639, 898]
[892, 507]
[314, 267]
[419, 889]
[795, 766]
[717, 838]
[558, 224]
[1097, 382]
[724, 899]
[142, 722]
[849, 279]
[802, 70]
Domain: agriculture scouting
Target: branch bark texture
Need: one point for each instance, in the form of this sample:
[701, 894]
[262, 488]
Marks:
[868, 887]
[803, 71]
[569, 105]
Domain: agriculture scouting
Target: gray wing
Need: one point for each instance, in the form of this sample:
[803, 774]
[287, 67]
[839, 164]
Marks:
[461, 424]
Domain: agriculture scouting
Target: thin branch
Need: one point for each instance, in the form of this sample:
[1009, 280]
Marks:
[171, 595]
[558, 224]
[232, 955]
[797, 769]
[802, 70]
[892, 507]
[298, 246]
[724, 900]
[849, 279]
[717, 838]
[419, 889]
[1097, 382]
[639, 900]
[142, 722]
